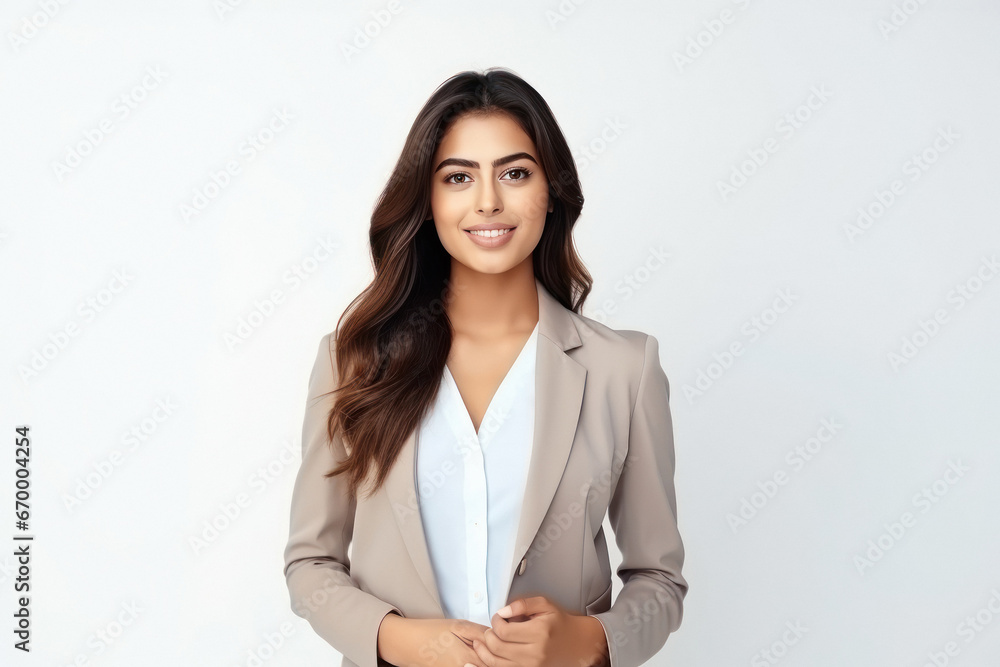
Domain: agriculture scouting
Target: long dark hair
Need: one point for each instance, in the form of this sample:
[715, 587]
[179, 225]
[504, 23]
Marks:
[393, 340]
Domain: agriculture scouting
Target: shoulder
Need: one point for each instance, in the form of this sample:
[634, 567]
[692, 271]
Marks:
[325, 364]
[623, 360]
[327, 345]
[625, 351]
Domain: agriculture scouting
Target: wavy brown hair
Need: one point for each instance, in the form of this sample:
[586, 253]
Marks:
[393, 339]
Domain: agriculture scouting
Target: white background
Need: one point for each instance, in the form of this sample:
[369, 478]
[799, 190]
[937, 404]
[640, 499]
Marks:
[893, 75]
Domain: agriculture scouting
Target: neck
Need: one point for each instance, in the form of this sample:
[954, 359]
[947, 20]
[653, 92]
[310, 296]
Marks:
[493, 304]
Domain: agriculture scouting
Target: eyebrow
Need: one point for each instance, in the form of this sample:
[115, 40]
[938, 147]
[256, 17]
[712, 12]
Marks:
[472, 164]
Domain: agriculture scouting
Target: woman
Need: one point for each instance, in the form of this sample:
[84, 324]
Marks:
[491, 426]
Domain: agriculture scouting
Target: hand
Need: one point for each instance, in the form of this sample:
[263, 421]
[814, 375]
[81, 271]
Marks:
[442, 642]
[549, 637]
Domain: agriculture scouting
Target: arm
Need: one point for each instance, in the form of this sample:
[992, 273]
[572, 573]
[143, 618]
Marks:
[317, 568]
[643, 514]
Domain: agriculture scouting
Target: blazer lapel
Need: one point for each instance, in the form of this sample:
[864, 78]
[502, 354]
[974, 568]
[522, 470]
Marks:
[559, 383]
[400, 487]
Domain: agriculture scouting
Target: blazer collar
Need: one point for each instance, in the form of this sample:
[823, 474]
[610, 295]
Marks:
[559, 383]
[555, 321]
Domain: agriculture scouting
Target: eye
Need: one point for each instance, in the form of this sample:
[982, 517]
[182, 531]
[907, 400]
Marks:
[517, 170]
[457, 173]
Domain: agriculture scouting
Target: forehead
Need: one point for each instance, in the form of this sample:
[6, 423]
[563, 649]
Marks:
[484, 138]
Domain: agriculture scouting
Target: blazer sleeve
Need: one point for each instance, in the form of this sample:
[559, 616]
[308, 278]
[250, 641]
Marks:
[317, 568]
[643, 514]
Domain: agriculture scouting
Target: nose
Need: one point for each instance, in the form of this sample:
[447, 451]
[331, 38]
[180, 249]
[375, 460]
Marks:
[489, 203]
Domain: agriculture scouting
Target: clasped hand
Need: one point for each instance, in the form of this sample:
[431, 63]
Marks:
[536, 632]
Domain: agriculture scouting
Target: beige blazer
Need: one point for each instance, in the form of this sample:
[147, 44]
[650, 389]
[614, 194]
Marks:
[603, 442]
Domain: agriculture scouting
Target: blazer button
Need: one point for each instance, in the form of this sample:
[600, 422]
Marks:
[524, 563]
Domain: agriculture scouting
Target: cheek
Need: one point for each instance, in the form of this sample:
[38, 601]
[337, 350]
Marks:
[532, 203]
[531, 199]
[447, 208]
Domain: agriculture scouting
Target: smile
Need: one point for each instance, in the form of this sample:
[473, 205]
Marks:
[491, 238]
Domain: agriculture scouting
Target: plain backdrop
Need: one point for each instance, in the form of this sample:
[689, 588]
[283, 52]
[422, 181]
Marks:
[799, 200]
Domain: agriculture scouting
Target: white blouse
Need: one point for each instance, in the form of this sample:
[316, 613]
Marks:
[471, 485]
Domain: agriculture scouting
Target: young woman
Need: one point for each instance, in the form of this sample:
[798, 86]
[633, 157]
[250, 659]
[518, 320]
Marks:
[491, 426]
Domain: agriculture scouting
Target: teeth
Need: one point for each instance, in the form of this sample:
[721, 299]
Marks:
[490, 232]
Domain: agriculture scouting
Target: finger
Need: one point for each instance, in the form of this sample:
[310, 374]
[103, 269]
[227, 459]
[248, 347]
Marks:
[526, 607]
[493, 657]
[520, 618]
[508, 629]
[484, 653]
[518, 635]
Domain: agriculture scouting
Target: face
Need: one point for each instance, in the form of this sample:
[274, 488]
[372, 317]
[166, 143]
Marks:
[487, 176]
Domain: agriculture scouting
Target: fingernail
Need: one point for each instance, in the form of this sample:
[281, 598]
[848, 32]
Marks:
[505, 612]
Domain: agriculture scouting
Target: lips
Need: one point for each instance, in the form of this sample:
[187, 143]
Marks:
[489, 226]
[493, 236]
